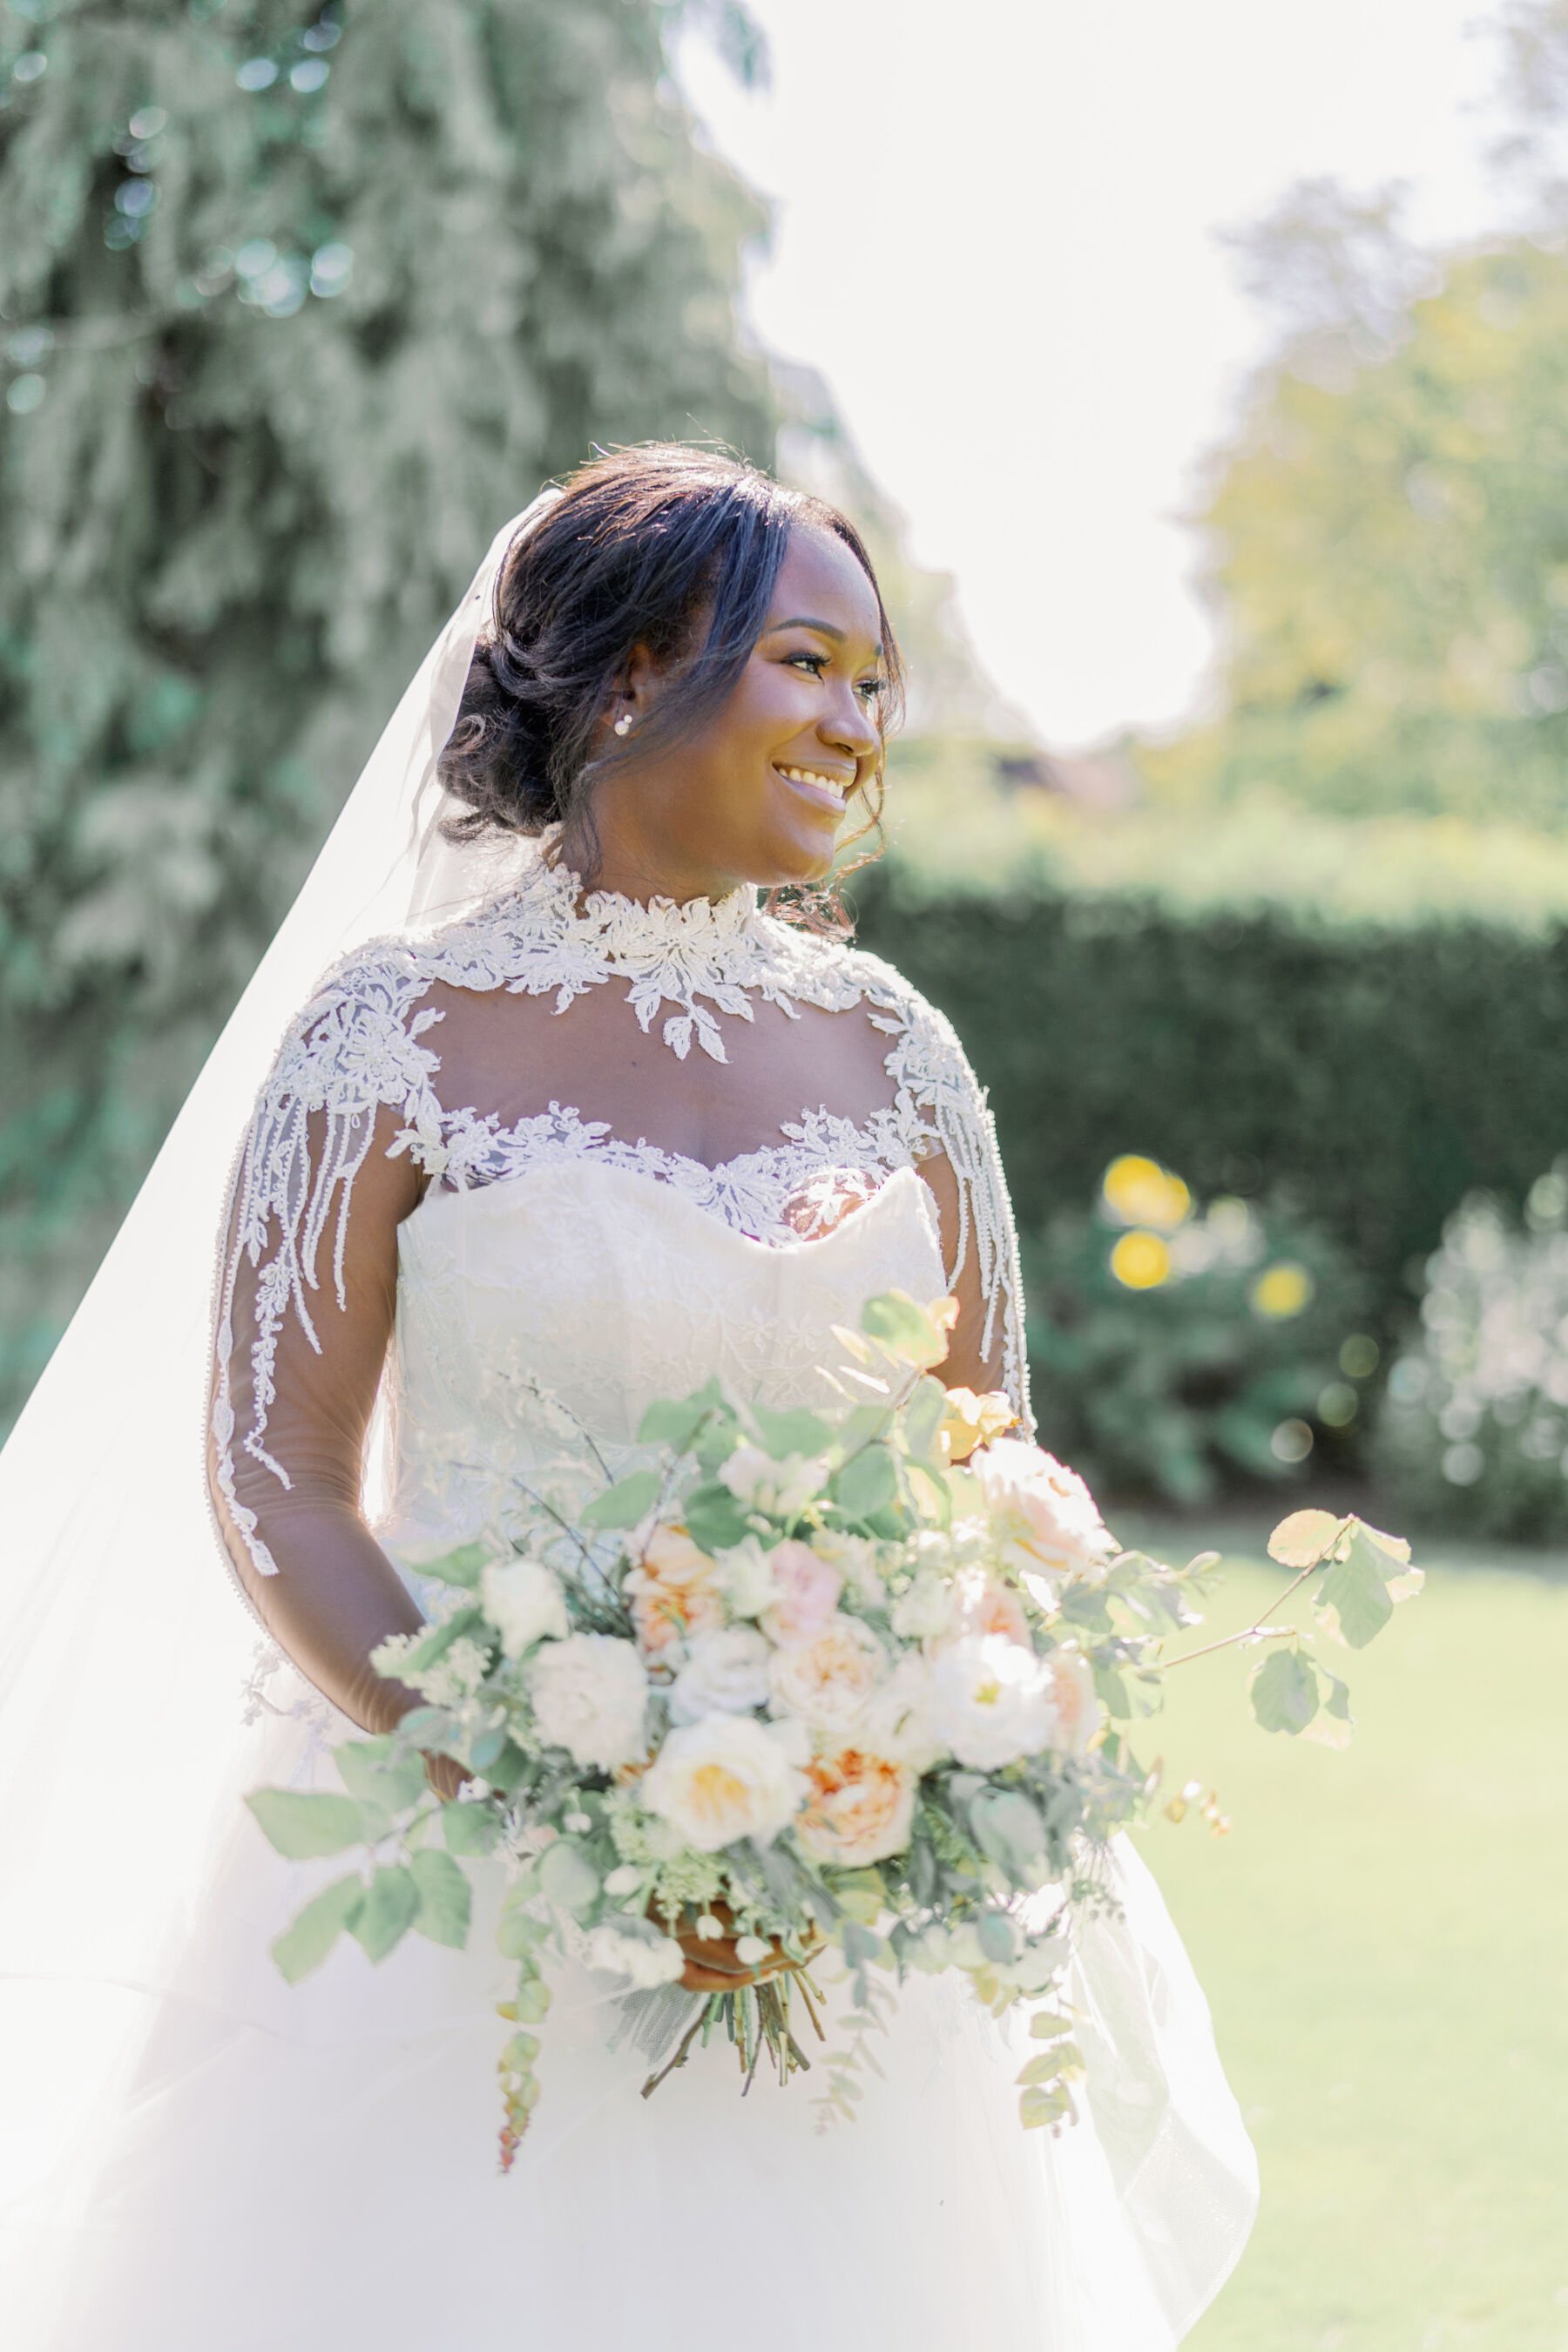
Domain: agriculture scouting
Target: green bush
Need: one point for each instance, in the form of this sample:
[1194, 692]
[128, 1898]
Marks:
[1170, 1352]
[1366, 1079]
[1474, 1427]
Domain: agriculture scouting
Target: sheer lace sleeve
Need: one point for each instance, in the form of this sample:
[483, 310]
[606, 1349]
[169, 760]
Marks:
[331, 1164]
[938, 1091]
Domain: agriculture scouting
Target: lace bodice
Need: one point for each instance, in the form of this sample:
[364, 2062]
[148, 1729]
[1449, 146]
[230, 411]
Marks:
[548, 1205]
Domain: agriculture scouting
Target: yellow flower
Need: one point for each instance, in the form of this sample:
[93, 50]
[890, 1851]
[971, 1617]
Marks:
[1281, 1290]
[1138, 1192]
[1141, 1261]
[971, 1420]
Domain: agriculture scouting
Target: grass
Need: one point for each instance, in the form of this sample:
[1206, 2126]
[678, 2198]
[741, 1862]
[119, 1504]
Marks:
[1384, 1939]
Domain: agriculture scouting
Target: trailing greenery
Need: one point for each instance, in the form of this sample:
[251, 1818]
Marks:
[297, 309]
[1365, 1079]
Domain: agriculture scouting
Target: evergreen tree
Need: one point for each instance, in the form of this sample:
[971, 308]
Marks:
[297, 309]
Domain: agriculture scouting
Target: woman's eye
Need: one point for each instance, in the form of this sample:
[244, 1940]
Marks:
[815, 663]
[870, 688]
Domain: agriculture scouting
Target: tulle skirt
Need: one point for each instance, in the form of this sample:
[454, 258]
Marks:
[214, 2163]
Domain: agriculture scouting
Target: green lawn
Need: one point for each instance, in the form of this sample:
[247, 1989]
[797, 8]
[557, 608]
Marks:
[1383, 1939]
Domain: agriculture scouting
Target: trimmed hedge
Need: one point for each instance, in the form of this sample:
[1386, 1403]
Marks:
[1369, 1078]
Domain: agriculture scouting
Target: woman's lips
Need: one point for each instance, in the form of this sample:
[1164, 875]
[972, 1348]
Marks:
[816, 785]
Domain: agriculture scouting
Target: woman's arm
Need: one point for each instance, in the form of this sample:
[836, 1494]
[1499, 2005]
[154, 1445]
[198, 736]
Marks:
[332, 1595]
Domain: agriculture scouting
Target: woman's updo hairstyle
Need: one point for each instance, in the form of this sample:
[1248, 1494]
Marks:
[642, 547]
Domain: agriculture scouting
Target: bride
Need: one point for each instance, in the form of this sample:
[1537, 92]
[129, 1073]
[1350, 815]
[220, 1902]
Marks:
[595, 1102]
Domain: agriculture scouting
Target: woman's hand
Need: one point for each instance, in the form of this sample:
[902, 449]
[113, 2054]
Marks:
[713, 1964]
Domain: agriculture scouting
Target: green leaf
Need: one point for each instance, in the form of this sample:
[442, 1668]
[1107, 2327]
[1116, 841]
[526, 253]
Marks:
[715, 1519]
[469, 1828]
[1008, 1828]
[468, 1623]
[387, 1913]
[675, 1422]
[461, 1566]
[1303, 1537]
[532, 2000]
[303, 1825]
[1044, 2027]
[372, 1769]
[784, 1434]
[1048, 2066]
[923, 1417]
[567, 1878]
[904, 1329]
[998, 1937]
[1333, 1726]
[1353, 1600]
[1285, 1692]
[445, 1898]
[518, 1933]
[1041, 2104]
[625, 1503]
[862, 1894]
[860, 1945]
[1111, 1692]
[305, 1943]
[866, 1483]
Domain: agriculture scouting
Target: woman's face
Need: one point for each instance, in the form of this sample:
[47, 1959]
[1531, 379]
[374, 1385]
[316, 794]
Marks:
[758, 795]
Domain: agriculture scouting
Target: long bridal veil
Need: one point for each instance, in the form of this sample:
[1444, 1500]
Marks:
[123, 1649]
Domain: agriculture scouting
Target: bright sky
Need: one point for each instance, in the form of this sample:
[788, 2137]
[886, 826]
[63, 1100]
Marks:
[995, 238]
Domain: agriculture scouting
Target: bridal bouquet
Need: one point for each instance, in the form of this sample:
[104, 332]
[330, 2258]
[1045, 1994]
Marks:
[843, 1687]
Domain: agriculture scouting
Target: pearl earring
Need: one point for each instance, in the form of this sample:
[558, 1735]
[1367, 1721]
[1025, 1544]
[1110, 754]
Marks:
[624, 723]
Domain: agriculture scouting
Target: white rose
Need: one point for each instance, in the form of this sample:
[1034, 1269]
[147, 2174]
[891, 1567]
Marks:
[782, 1488]
[1042, 1512]
[857, 1559]
[898, 1721]
[990, 1703]
[647, 1960]
[590, 1696]
[924, 1613]
[725, 1674]
[746, 1577]
[1071, 1696]
[722, 1779]
[524, 1601]
[828, 1679]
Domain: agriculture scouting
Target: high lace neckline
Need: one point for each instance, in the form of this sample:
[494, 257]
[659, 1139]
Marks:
[704, 956]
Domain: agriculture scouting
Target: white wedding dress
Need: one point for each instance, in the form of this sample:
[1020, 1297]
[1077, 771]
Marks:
[202, 2160]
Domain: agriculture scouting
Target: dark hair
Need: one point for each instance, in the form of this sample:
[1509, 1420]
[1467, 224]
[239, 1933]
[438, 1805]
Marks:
[640, 543]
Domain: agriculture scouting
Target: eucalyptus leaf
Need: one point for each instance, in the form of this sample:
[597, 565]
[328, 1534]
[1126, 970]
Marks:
[923, 1417]
[866, 1483]
[388, 1911]
[445, 1898]
[1009, 1828]
[797, 1431]
[469, 1828]
[567, 1878]
[624, 1504]
[904, 1329]
[998, 1937]
[372, 1769]
[715, 1519]
[675, 1423]
[1285, 1692]
[467, 1625]
[461, 1566]
[302, 1824]
[305, 1943]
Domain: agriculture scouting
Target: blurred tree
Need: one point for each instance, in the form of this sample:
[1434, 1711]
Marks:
[297, 309]
[1389, 538]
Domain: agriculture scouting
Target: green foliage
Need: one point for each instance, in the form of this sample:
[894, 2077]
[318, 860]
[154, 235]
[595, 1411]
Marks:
[1474, 1428]
[1171, 1385]
[1370, 1077]
[301, 1824]
[296, 313]
[305, 1944]
[1388, 546]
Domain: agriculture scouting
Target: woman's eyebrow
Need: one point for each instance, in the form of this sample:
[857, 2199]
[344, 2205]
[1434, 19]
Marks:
[823, 628]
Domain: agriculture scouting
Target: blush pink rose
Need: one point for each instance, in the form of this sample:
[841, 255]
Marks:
[808, 1589]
